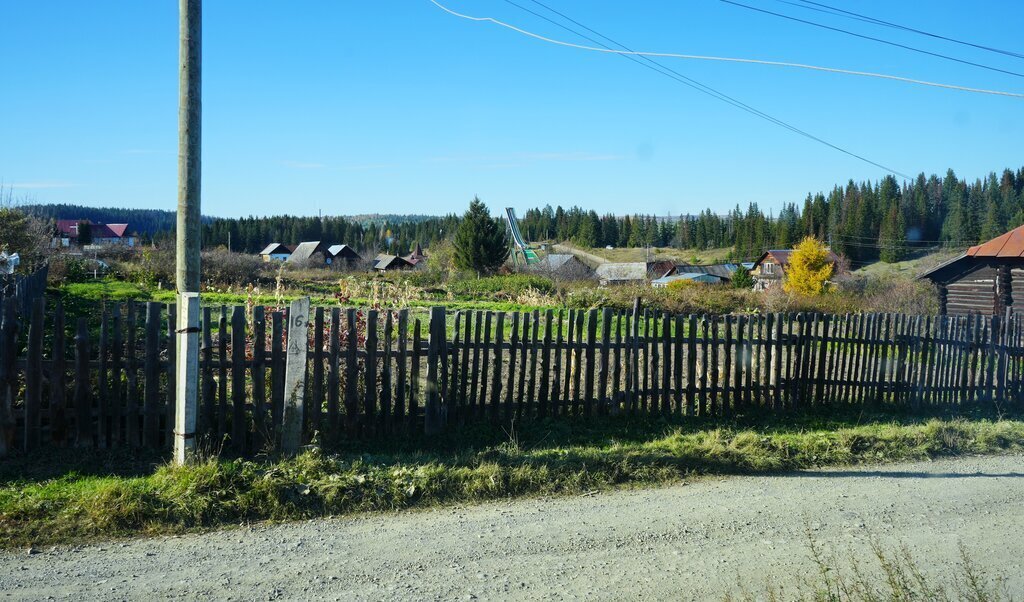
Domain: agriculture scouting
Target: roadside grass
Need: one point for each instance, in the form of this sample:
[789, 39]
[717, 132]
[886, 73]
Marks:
[890, 574]
[72, 495]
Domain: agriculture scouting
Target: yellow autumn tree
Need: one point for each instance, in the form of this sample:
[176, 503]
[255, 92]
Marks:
[809, 268]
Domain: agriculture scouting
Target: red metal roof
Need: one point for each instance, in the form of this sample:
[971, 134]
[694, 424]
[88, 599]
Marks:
[69, 228]
[1010, 244]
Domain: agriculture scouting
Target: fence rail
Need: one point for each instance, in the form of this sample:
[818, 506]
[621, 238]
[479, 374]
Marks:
[374, 373]
[21, 289]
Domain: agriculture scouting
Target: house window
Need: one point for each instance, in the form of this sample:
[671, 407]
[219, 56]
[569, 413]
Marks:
[768, 267]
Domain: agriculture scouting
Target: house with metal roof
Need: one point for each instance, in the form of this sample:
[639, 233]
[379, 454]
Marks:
[988, 279]
[101, 234]
[609, 274]
[770, 268]
[561, 266]
[275, 251]
[342, 253]
[696, 277]
[389, 263]
[311, 252]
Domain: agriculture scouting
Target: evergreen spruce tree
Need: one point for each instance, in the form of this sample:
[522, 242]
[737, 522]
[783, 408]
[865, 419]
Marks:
[481, 245]
[892, 241]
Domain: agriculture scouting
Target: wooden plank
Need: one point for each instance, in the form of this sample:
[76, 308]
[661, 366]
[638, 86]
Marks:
[739, 363]
[386, 397]
[132, 396]
[295, 376]
[666, 355]
[616, 393]
[578, 366]
[222, 374]
[316, 401]
[556, 377]
[8, 378]
[58, 379]
[691, 364]
[117, 388]
[677, 364]
[748, 363]
[647, 364]
[34, 377]
[703, 407]
[370, 374]
[432, 423]
[353, 420]
[208, 415]
[103, 380]
[603, 398]
[499, 333]
[714, 397]
[402, 384]
[534, 340]
[472, 409]
[545, 366]
[778, 393]
[761, 362]
[460, 371]
[83, 386]
[523, 365]
[151, 376]
[653, 365]
[239, 422]
[414, 374]
[591, 363]
[727, 367]
[278, 368]
[259, 378]
[513, 349]
[486, 365]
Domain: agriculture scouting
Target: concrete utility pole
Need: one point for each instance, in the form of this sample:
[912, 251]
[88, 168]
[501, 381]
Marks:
[190, 54]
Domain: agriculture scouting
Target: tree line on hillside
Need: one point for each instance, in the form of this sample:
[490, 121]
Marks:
[866, 221]
[398, 237]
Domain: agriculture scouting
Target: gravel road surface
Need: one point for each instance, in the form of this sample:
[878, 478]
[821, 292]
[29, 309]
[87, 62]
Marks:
[694, 541]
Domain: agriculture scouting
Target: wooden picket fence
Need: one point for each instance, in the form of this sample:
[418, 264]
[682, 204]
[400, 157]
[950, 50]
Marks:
[22, 289]
[107, 380]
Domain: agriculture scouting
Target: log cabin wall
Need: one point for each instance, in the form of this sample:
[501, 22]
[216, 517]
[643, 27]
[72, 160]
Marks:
[986, 286]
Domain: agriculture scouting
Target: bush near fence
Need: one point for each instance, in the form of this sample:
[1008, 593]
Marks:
[107, 380]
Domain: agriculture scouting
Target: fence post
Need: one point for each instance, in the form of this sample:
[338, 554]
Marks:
[187, 375]
[432, 423]
[34, 376]
[295, 375]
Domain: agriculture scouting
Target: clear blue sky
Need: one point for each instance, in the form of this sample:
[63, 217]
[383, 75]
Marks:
[394, 106]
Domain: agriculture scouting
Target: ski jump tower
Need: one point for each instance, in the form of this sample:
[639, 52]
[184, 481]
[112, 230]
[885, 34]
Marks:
[519, 247]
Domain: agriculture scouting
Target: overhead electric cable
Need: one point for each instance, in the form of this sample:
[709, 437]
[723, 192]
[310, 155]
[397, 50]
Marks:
[726, 59]
[874, 39]
[692, 83]
[869, 19]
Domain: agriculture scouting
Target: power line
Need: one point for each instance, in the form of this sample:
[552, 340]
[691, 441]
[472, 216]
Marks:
[869, 19]
[692, 83]
[698, 57]
[874, 39]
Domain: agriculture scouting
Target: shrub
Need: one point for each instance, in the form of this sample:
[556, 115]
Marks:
[223, 267]
[507, 286]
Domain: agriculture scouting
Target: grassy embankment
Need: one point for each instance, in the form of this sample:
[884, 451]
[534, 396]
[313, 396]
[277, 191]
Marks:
[75, 495]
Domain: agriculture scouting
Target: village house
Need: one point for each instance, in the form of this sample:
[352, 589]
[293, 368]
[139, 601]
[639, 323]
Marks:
[338, 254]
[695, 277]
[310, 253]
[388, 263]
[275, 251]
[770, 268]
[417, 256]
[723, 271]
[100, 234]
[561, 266]
[988, 279]
[610, 274]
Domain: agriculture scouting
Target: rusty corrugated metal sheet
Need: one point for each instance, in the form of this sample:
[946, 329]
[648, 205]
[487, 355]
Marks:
[1010, 244]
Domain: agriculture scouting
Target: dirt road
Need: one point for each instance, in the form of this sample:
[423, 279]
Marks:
[684, 542]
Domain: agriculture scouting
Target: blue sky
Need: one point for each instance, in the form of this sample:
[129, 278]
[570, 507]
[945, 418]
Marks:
[393, 106]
